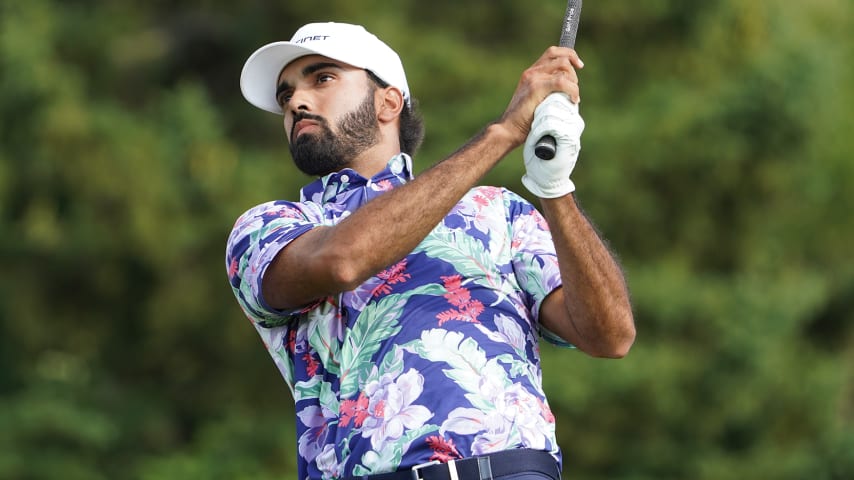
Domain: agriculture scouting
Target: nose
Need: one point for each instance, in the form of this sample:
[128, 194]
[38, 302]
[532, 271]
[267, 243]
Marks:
[300, 101]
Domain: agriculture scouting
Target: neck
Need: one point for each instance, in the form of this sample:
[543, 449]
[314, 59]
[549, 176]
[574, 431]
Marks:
[373, 160]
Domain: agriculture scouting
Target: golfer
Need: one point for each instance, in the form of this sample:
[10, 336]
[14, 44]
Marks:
[405, 312]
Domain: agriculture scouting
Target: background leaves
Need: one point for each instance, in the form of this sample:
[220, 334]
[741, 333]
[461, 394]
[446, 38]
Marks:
[716, 162]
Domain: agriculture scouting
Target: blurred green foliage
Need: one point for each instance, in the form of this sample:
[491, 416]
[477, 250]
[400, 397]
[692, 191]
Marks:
[717, 162]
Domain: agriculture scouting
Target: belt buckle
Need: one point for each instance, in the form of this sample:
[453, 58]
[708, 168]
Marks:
[415, 469]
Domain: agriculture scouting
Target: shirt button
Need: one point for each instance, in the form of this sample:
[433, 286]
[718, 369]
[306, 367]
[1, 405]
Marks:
[345, 178]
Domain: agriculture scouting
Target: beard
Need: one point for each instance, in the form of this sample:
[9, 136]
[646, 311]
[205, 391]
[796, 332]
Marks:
[326, 152]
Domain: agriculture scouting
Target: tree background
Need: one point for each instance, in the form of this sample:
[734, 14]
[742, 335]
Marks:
[716, 161]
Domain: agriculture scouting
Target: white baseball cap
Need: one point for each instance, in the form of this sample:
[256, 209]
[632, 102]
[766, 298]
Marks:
[351, 44]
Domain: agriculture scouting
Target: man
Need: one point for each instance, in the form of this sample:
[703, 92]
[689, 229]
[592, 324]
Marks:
[404, 312]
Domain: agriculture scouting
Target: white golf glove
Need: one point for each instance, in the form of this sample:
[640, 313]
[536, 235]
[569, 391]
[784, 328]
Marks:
[558, 117]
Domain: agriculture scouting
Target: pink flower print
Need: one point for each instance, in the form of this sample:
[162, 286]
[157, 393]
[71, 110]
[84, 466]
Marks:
[232, 268]
[292, 341]
[479, 213]
[541, 221]
[480, 200]
[443, 450]
[490, 192]
[547, 412]
[355, 410]
[379, 409]
[391, 276]
[382, 186]
[467, 309]
[457, 294]
[486, 195]
[311, 364]
[290, 213]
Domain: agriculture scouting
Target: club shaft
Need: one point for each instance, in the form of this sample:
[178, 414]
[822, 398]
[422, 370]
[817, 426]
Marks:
[546, 147]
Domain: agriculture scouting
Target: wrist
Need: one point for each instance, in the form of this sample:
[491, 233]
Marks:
[500, 135]
[554, 188]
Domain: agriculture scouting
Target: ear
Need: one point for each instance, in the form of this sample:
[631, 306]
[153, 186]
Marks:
[389, 104]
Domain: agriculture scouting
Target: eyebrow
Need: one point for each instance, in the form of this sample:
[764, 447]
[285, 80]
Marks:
[308, 70]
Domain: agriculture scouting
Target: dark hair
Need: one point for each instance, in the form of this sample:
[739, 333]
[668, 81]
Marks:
[411, 123]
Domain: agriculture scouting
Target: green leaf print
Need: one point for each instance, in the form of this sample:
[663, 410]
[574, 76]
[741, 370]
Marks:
[281, 357]
[533, 279]
[377, 323]
[471, 260]
[305, 390]
[391, 365]
[323, 335]
[328, 398]
[518, 368]
[466, 253]
[468, 362]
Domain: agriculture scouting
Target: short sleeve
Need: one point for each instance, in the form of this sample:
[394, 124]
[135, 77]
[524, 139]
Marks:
[257, 237]
[534, 258]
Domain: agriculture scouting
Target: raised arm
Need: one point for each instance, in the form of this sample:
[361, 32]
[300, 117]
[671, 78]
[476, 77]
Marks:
[329, 260]
[592, 309]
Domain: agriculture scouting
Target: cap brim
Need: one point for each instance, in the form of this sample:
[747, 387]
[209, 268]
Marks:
[258, 80]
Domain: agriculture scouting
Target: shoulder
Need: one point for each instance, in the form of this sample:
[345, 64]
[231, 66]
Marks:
[277, 211]
[503, 198]
[272, 216]
[493, 195]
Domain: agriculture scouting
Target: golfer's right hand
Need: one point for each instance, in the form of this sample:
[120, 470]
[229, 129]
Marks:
[553, 72]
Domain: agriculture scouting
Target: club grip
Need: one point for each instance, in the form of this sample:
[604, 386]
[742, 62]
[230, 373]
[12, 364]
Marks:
[546, 147]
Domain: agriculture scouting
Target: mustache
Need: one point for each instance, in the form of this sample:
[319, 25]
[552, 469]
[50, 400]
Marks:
[306, 116]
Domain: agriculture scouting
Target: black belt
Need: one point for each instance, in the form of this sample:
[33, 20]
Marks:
[485, 467]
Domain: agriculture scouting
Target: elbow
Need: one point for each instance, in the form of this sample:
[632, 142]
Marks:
[347, 268]
[625, 338]
[614, 352]
[621, 349]
[342, 271]
[619, 340]
[344, 276]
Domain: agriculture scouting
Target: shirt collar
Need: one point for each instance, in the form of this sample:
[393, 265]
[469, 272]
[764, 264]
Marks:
[327, 188]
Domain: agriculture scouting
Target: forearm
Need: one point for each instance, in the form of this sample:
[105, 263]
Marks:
[596, 314]
[388, 228]
[383, 231]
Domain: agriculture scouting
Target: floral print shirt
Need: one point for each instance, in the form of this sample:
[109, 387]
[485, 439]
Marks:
[434, 358]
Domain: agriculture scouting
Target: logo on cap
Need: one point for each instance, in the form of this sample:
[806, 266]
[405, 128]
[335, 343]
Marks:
[311, 38]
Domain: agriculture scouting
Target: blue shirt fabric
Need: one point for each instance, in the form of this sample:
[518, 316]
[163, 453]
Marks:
[434, 358]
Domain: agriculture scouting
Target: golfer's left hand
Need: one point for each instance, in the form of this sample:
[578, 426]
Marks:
[558, 117]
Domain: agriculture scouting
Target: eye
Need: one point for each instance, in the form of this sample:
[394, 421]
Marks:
[324, 77]
[284, 98]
